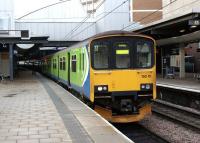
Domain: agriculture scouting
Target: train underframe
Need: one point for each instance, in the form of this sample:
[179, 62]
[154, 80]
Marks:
[123, 107]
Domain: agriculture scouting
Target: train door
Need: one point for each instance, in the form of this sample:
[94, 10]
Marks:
[69, 69]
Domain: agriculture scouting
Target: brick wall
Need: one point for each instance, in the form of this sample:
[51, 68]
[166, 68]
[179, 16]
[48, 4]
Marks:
[141, 9]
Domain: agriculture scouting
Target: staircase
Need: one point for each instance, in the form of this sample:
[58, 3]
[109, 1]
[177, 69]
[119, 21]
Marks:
[91, 5]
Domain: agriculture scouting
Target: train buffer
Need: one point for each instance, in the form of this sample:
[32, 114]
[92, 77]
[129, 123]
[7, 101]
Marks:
[37, 109]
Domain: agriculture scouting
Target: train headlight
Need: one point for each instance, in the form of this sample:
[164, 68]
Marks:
[147, 86]
[143, 86]
[101, 88]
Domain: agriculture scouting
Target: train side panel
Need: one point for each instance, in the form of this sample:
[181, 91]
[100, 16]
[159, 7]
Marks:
[62, 71]
[79, 71]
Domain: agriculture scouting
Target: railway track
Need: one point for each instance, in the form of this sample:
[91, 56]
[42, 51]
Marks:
[176, 113]
[139, 134]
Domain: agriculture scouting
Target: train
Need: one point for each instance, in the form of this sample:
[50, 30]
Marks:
[115, 71]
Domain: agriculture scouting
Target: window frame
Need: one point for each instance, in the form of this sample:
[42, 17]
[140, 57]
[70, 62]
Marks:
[64, 63]
[110, 53]
[152, 55]
[74, 61]
[130, 56]
[60, 62]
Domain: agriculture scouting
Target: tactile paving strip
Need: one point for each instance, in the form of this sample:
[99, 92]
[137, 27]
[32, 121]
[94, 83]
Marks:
[73, 126]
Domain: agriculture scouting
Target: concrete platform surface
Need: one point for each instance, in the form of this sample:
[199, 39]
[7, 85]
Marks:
[180, 84]
[34, 109]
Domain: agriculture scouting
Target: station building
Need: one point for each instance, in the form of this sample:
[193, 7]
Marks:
[175, 25]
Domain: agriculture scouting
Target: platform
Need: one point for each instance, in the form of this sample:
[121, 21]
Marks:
[190, 85]
[34, 109]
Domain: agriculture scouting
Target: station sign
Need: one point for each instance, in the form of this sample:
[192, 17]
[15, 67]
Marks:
[194, 22]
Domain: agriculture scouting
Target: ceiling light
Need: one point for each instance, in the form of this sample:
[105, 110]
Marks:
[25, 46]
[193, 26]
[183, 30]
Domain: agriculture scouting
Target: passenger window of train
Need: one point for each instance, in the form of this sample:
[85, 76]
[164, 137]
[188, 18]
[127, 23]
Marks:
[64, 63]
[144, 54]
[101, 54]
[122, 55]
[55, 64]
[49, 64]
[61, 64]
[73, 63]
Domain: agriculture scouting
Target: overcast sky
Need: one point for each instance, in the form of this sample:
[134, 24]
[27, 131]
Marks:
[23, 7]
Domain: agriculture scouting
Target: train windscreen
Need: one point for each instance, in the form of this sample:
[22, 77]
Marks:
[143, 54]
[101, 55]
[122, 53]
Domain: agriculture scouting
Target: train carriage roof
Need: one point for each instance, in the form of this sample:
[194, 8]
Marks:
[116, 32]
[107, 33]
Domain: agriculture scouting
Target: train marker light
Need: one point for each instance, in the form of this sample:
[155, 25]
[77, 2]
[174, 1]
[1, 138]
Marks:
[148, 86]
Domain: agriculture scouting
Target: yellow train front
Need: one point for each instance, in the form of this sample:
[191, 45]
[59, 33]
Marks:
[122, 75]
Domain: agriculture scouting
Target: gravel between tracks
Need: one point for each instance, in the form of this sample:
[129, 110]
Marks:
[170, 131]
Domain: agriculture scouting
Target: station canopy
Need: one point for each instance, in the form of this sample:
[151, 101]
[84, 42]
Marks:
[32, 47]
[183, 29]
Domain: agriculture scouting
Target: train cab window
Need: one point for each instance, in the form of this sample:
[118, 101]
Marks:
[122, 55]
[144, 54]
[101, 55]
[73, 63]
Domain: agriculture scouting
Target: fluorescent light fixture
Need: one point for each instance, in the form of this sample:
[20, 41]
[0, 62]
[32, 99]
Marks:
[25, 46]
[183, 30]
[193, 26]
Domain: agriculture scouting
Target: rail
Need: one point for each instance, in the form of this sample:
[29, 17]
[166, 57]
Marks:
[139, 134]
[182, 115]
